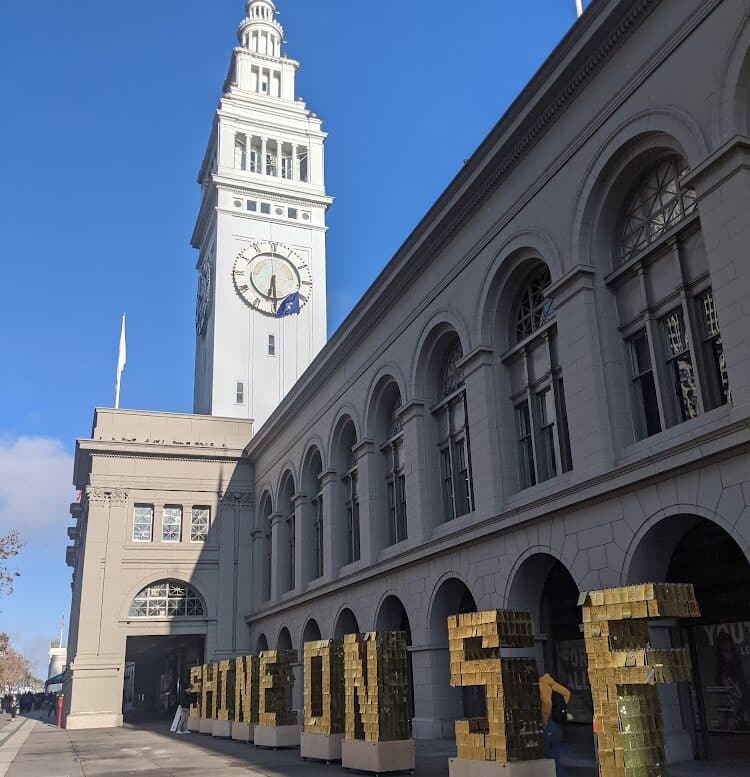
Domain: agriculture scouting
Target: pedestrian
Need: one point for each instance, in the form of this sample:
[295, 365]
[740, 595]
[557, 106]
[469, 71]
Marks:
[555, 715]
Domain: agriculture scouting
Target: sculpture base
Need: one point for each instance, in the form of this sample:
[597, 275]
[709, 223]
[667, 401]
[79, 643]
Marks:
[206, 726]
[193, 724]
[321, 747]
[459, 767]
[378, 757]
[243, 732]
[222, 729]
[277, 737]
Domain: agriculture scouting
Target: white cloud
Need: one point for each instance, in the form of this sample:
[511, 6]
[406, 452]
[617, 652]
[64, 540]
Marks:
[35, 488]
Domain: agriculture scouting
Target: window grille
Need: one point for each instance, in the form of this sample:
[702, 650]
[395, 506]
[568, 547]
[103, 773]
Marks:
[200, 521]
[659, 203]
[167, 599]
[171, 524]
[143, 523]
[534, 309]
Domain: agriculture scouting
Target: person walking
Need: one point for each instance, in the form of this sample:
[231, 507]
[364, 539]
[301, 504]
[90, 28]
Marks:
[555, 699]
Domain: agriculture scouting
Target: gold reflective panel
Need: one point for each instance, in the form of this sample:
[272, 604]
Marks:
[512, 730]
[324, 687]
[196, 687]
[376, 687]
[225, 691]
[276, 682]
[624, 671]
[208, 692]
[246, 689]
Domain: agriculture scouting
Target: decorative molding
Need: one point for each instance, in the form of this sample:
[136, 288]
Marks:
[105, 495]
[237, 498]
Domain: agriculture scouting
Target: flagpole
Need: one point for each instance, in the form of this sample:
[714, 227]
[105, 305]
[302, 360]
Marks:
[579, 7]
[121, 361]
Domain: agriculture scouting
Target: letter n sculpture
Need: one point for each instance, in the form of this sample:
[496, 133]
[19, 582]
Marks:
[624, 671]
[512, 730]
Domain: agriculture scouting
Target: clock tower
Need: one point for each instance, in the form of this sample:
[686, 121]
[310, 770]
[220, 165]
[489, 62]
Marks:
[260, 233]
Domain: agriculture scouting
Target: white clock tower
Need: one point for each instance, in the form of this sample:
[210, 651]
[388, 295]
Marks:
[260, 232]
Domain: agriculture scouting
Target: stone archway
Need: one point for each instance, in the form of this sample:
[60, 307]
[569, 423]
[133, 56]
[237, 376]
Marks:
[392, 616]
[346, 623]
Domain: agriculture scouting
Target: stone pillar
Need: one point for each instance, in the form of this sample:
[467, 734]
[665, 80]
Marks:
[368, 519]
[722, 183]
[295, 163]
[98, 664]
[278, 557]
[263, 153]
[301, 541]
[419, 526]
[677, 740]
[330, 489]
[256, 585]
[224, 531]
[586, 396]
[436, 704]
[479, 368]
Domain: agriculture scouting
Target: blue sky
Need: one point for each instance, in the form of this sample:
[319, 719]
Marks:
[106, 112]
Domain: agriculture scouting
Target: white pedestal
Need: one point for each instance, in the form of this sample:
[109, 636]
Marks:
[459, 767]
[243, 732]
[222, 729]
[206, 726]
[321, 747]
[193, 724]
[378, 757]
[277, 737]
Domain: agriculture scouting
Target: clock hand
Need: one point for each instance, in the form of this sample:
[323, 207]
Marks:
[273, 291]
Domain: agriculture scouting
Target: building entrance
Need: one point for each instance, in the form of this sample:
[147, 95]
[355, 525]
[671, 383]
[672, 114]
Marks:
[157, 670]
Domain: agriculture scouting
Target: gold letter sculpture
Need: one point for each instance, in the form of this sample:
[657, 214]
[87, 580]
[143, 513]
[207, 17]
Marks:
[246, 689]
[276, 680]
[512, 730]
[624, 671]
[376, 687]
[208, 692]
[196, 687]
[324, 687]
[225, 691]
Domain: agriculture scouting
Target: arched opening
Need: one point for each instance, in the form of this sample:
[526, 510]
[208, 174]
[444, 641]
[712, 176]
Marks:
[287, 551]
[311, 632]
[453, 597]
[344, 459]
[346, 623]
[267, 549]
[717, 706]
[392, 616]
[157, 665]
[262, 645]
[284, 643]
[526, 328]
[389, 503]
[543, 586]
[312, 516]
[449, 468]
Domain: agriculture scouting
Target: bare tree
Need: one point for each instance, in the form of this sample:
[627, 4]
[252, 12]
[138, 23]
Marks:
[14, 668]
[10, 546]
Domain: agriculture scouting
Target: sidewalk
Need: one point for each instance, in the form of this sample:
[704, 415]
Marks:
[154, 752]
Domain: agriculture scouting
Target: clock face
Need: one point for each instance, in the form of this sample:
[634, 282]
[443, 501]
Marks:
[203, 301]
[266, 273]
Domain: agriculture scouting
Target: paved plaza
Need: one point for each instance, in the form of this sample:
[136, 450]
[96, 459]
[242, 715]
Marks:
[33, 748]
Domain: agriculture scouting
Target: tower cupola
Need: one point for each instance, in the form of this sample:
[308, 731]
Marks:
[259, 32]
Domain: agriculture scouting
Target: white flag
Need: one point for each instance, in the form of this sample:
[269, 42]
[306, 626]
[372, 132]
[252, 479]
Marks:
[122, 359]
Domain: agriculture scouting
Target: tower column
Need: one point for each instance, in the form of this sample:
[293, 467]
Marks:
[263, 155]
[295, 170]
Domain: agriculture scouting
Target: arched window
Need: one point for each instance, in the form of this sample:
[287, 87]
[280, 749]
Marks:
[286, 506]
[350, 487]
[659, 203]
[451, 415]
[266, 509]
[536, 384]
[167, 599]
[665, 302]
[392, 449]
[313, 516]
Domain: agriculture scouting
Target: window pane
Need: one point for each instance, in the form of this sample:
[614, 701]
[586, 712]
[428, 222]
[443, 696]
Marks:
[675, 336]
[165, 599]
[548, 454]
[649, 404]
[143, 521]
[685, 388]
[525, 446]
[449, 512]
[199, 522]
[641, 354]
[171, 527]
